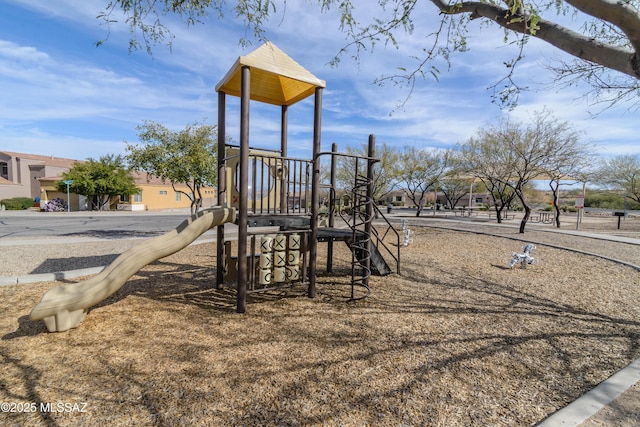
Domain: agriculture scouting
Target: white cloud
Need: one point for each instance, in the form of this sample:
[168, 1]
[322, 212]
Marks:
[38, 141]
[93, 98]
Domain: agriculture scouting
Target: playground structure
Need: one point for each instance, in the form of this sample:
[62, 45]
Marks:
[269, 188]
[260, 188]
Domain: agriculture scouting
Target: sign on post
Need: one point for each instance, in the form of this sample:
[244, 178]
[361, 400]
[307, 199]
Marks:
[580, 206]
[68, 182]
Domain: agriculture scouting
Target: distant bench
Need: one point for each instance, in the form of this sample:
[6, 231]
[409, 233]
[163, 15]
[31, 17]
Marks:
[505, 215]
[465, 212]
[543, 217]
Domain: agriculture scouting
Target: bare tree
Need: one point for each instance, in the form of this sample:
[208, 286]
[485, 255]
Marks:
[454, 188]
[519, 154]
[567, 161]
[528, 146]
[417, 173]
[384, 169]
[484, 158]
[621, 173]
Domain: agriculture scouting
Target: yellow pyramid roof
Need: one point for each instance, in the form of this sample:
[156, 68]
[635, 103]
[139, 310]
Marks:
[275, 77]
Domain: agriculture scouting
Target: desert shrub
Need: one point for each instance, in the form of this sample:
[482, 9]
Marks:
[568, 208]
[17, 203]
[609, 200]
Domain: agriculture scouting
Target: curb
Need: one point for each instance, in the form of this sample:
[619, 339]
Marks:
[595, 399]
[49, 277]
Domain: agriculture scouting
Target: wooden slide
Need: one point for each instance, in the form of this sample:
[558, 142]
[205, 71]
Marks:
[66, 306]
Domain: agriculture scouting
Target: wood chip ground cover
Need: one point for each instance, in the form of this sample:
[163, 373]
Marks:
[457, 339]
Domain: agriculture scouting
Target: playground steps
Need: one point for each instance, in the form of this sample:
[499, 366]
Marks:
[378, 263]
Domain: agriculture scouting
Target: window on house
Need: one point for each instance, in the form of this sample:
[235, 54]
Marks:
[163, 192]
[124, 198]
[4, 170]
[137, 197]
[398, 198]
[178, 197]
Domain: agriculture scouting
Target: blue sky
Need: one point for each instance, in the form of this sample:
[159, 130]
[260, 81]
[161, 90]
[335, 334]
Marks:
[60, 95]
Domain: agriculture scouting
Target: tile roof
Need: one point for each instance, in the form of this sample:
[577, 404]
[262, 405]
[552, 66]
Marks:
[47, 160]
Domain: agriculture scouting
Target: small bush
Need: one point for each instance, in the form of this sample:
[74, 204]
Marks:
[17, 203]
[55, 205]
[609, 200]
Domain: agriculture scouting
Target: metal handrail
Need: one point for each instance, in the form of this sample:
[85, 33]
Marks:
[380, 240]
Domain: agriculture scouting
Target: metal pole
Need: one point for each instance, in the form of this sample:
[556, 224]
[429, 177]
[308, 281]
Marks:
[222, 187]
[584, 193]
[371, 152]
[315, 182]
[435, 197]
[284, 123]
[68, 200]
[241, 298]
[332, 204]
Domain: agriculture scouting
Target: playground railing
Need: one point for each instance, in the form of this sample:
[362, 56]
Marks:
[380, 237]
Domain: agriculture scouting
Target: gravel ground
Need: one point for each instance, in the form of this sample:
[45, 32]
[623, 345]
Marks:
[457, 339]
[592, 240]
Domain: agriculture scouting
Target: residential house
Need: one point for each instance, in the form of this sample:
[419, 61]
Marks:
[154, 195]
[35, 176]
[395, 198]
[21, 173]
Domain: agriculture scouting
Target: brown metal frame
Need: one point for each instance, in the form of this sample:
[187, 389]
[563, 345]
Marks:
[242, 184]
[293, 181]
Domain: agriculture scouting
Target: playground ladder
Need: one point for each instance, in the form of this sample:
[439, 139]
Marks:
[366, 240]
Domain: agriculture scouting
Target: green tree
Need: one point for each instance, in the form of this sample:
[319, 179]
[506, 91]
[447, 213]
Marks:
[608, 41]
[100, 180]
[621, 173]
[186, 157]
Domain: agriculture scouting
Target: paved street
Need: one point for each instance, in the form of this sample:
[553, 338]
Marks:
[108, 225]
